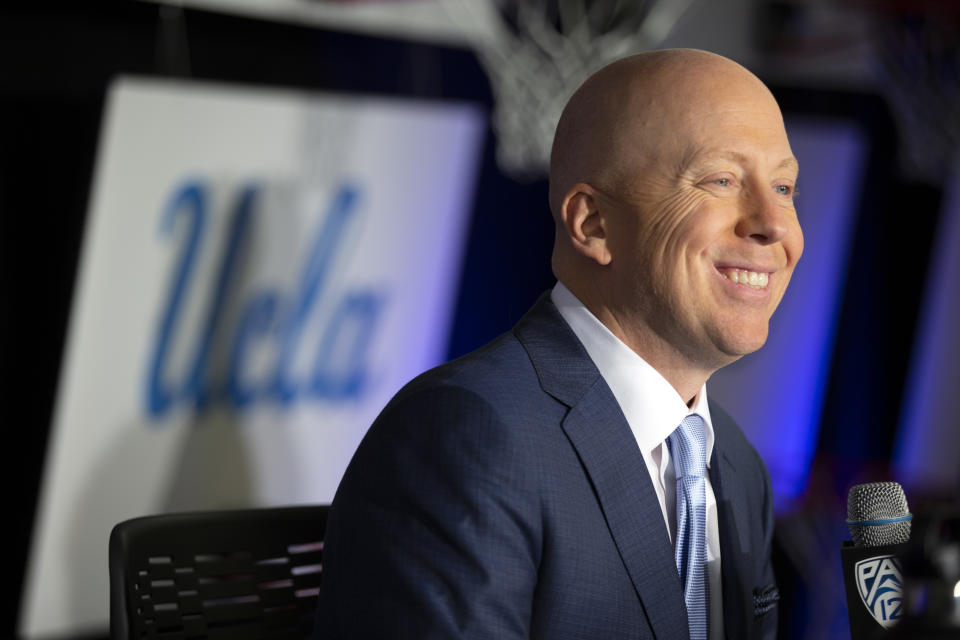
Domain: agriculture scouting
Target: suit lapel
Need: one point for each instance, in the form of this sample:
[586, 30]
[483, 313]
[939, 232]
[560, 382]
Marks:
[737, 611]
[600, 434]
[598, 431]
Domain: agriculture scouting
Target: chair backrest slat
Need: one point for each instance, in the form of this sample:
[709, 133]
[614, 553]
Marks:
[252, 573]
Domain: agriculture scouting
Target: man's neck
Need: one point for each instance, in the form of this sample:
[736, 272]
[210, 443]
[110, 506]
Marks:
[686, 377]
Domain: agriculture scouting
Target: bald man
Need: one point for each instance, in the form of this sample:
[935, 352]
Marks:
[544, 486]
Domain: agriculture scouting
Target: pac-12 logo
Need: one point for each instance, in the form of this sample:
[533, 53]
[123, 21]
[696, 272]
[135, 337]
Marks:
[880, 583]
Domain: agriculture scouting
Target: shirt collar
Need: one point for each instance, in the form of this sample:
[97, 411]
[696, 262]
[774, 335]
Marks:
[651, 405]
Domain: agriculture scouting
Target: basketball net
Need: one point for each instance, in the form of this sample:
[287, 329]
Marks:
[920, 57]
[538, 52]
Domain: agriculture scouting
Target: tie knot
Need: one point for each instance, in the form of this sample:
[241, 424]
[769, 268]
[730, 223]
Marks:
[688, 446]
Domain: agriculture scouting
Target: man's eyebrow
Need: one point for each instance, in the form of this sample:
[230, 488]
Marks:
[742, 158]
[789, 163]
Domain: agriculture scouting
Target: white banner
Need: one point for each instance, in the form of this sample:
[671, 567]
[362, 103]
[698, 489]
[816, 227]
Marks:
[261, 271]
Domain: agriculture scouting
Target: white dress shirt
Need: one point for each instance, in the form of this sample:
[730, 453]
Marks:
[653, 409]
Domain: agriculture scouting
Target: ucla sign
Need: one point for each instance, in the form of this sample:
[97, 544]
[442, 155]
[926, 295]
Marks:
[880, 584]
[340, 365]
[261, 271]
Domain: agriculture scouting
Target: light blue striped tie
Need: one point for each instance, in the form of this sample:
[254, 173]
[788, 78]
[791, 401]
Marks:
[688, 447]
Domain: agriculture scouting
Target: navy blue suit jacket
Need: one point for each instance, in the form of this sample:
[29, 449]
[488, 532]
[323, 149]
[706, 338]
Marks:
[503, 495]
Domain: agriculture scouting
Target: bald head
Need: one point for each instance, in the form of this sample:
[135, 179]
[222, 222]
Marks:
[618, 117]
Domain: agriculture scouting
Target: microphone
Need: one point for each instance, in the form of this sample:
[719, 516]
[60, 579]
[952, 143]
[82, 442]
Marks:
[877, 514]
[879, 522]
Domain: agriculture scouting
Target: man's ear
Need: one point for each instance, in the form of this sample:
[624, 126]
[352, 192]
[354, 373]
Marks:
[586, 223]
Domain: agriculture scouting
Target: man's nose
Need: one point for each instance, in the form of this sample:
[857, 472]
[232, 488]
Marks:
[765, 218]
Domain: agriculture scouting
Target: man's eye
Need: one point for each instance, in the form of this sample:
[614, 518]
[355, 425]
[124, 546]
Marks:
[723, 182]
[784, 189]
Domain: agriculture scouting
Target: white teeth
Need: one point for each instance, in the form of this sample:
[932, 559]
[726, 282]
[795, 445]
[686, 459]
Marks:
[754, 279]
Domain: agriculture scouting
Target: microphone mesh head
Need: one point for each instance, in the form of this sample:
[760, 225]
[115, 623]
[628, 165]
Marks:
[877, 501]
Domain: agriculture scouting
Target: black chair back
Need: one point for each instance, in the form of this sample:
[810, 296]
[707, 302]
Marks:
[246, 574]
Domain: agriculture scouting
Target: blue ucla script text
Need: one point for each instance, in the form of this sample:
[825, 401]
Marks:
[339, 366]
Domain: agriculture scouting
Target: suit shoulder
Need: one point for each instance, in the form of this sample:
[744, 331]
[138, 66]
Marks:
[473, 417]
[495, 373]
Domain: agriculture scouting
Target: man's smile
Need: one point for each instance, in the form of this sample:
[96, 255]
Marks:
[754, 278]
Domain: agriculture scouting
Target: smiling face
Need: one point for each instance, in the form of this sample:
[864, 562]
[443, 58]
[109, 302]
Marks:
[700, 220]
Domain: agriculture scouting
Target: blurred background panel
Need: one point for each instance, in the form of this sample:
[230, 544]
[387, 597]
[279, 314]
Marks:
[859, 381]
[284, 262]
